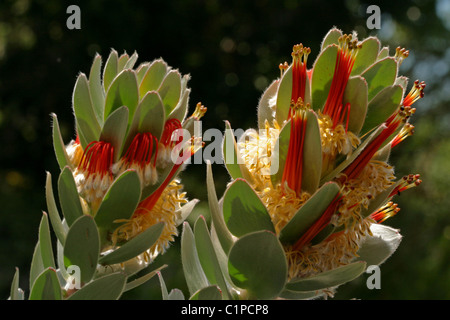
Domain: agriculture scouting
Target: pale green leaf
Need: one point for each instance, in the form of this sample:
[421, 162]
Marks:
[322, 76]
[15, 292]
[244, 211]
[328, 279]
[223, 234]
[111, 69]
[265, 111]
[84, 110]
[135, 246]
[82, 247]
[115, 129]
[332, 37]
[308, 213]
[55, 219]
[258, 264]
[380, 75]
[366, 56]
[122, 92]
[109, 287]
[46, 286]
[152, 79]
[208, 293]
[58, 144]
[45, 242]
[96, 88]
[193, 272]
[207, 256]
[383, 105]
[68, 196]
[120, 201]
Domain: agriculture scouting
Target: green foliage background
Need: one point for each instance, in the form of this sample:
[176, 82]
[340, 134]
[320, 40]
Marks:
[232, 50]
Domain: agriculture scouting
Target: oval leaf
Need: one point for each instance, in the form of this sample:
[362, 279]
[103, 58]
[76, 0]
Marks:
[114, 130]
[367, 55]
[46, 286]
[328, 279]
[332, 37]
[380, 75]
[207, 293]
[382, 106]
[258, 264]
[58, 144]
[109, 287]
[82, 247]
[322, 75]
[122, 92]
[170, 90]
[153, 77]
[96, 89]
[45, 243]
[68, 196]
[120, 201]
[356, 94]
[84, 110]
[208, 257]
[111, 69]
[193, 272]
[135, 246]
[312, 154]
[243, 211]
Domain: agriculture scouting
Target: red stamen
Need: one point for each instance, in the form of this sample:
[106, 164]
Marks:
[299, 73]
[169, 128]
[141, 149]
[97, 158]
[385, 212]
[344, 64]
[415, 94]
[293, 170]
[409, 181]
[319, 224]
[148, 204]
[355, 168]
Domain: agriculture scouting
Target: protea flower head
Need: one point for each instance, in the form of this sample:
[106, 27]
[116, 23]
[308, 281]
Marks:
[314, 183]
[121, 169]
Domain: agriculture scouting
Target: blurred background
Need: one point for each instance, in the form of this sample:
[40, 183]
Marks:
[232, 50]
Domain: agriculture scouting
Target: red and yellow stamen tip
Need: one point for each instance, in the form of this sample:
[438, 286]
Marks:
[400, 55]
[199, 111]
[293, 169]
[416, 93]
[283, 67]
[299, 73]
[406, 131]
[407, 182]
[388, 210]
[334, 108]
[402, 114]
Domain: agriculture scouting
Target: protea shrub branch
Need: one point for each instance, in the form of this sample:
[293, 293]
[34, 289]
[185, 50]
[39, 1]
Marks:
[120, 196]
[312, 188]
